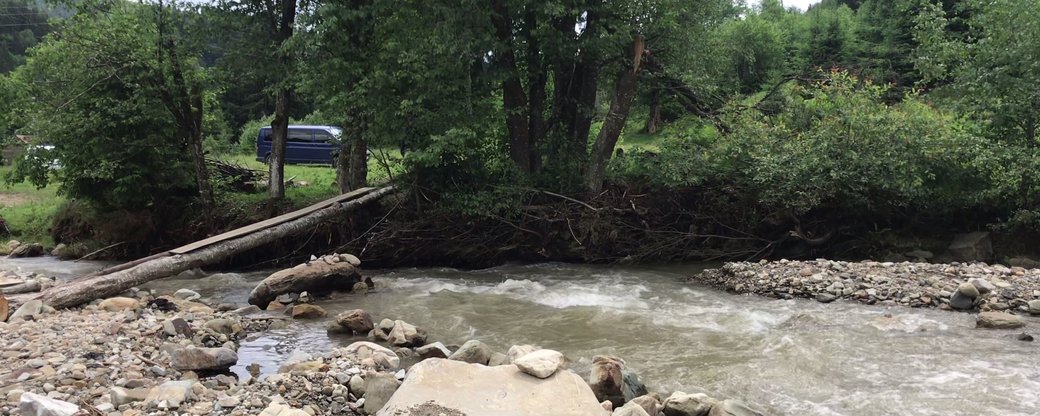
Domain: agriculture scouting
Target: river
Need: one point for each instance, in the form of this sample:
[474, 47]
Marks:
[786, 357]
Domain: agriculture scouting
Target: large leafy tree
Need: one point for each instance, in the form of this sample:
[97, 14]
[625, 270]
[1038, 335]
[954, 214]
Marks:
[990, 65]
[103, 90]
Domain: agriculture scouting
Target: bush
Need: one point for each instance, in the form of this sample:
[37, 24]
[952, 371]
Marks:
[836, 145]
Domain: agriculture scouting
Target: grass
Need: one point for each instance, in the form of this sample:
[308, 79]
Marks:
[318, 181]
[28, 210]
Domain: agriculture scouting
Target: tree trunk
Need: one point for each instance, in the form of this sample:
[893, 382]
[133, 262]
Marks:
[536, 82]
[513, 98]
[280, 124]
[653, 121]
[197, 151]
[81, 291]
[279, 134]
[624, 94]
[352, 164]
[358, 174]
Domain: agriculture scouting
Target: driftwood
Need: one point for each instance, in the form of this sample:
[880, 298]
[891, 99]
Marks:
[121, 278]
[325, 273]
[27, 287]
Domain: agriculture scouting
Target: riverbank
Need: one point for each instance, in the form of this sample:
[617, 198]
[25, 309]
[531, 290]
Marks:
[146, 355]
[954, 286]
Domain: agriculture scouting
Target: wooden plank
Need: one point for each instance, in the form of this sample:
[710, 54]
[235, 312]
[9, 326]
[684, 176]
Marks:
[270, 222]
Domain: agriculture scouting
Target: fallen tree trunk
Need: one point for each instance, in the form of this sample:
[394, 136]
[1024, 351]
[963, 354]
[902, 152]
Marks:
[324, 274]
[85, 290]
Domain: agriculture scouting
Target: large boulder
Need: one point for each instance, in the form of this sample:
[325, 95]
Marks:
[27, 250]
[607, 379]
[32, 404]
[321, 275]
[976, 246]
[964, 297]
[453, 387]
[406, 335]
[999, 320]
[196, 359]
[541, 363]
[5, 308]
[356, 321]
[379, 388]
[682, 404]
[472, 351]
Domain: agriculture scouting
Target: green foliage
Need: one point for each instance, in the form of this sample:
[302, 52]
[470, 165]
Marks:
[249, 133]
[992, 67]
[836, 145]
[100, 108]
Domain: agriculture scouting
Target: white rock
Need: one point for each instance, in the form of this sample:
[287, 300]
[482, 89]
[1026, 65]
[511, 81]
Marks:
[474, 389]
[541, 363]
[32, 404]
[187, 294]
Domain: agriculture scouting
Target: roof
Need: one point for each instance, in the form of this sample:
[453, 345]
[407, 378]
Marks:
[23, 138]
[307, 126]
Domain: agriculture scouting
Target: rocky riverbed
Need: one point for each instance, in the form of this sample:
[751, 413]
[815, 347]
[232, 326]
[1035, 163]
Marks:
[955, 286]
[142, 354]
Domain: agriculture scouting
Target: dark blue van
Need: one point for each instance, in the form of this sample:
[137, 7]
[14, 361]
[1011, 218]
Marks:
[305, 144]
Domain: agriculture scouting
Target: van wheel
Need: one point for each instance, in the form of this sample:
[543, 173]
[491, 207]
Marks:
[267, 159]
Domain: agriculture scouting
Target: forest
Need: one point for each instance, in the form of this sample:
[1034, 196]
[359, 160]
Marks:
[576, 130]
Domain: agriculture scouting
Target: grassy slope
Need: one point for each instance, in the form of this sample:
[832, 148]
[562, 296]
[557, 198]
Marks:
[28, 210]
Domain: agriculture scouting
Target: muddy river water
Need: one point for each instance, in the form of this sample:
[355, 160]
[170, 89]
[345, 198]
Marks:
[785, 357]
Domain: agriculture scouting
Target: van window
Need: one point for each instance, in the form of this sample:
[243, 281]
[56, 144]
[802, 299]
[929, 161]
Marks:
[265, 135]
[299, 136]
[322, 136]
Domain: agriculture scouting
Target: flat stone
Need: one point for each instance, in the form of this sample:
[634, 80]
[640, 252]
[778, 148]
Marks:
[195, 359]
[31, 404]
[379, 354]
[187, 294]
[434, 350]
[307, 311]
[279, 409]
[472, 389]
[171, 394]
[541, 363]
[117, 304]
[999, 320]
